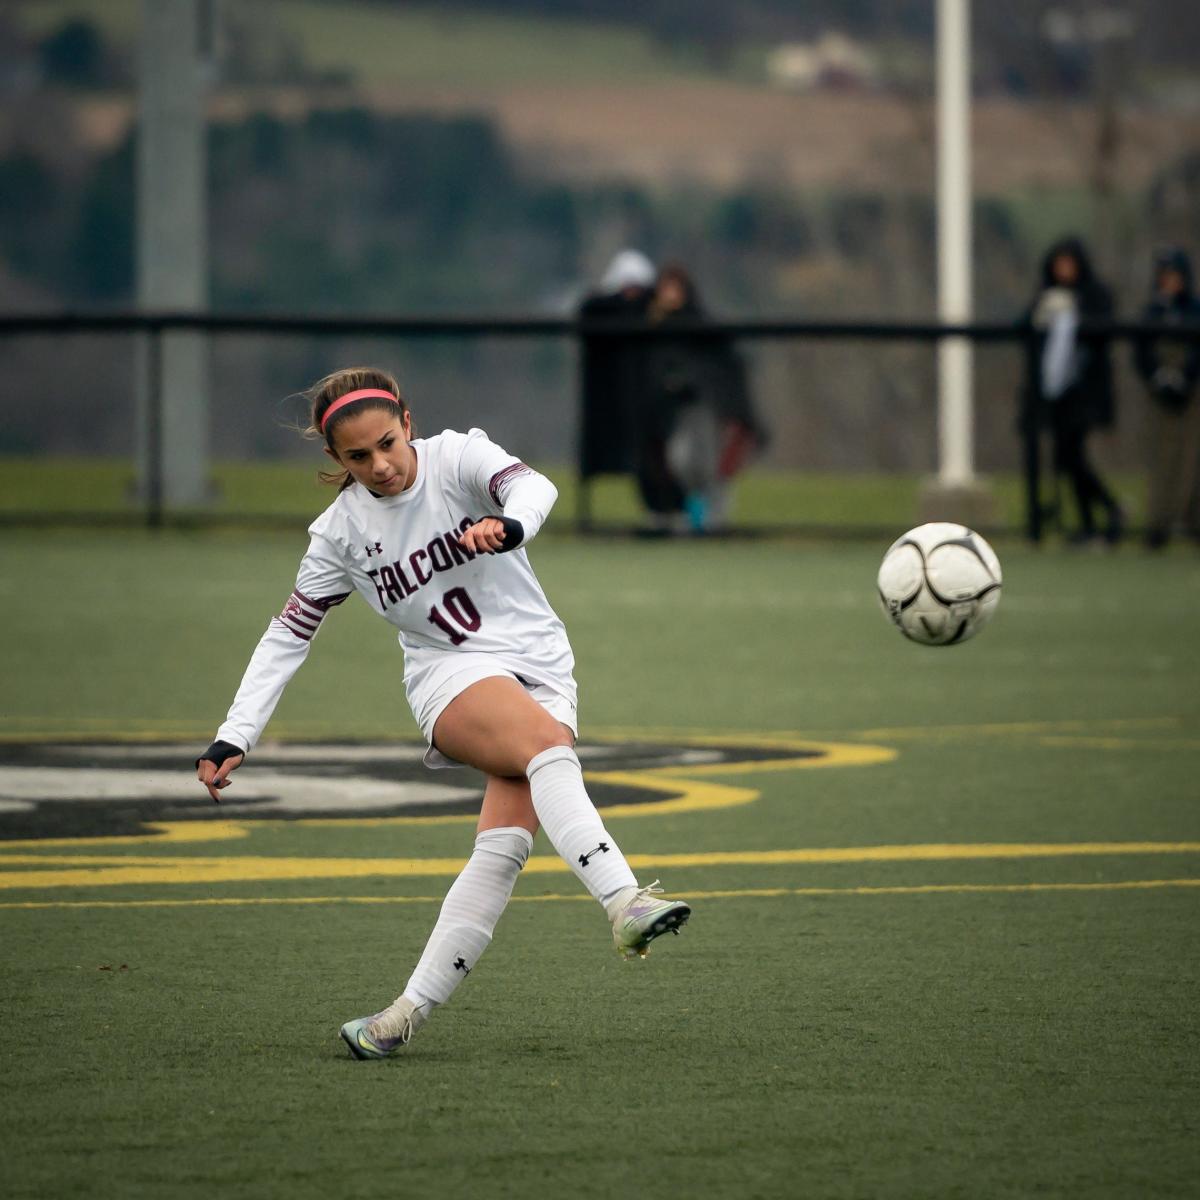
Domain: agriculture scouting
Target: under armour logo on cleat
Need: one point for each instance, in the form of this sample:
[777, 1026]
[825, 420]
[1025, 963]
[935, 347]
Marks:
[584, 859]
[460, 964]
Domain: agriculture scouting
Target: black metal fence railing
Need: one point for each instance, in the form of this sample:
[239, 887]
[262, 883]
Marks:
[487, 326]
[152, 326]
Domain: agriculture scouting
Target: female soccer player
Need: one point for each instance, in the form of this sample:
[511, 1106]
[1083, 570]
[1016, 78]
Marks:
[429, 531]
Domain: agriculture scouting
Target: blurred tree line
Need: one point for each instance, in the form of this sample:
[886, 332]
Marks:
[350, 211]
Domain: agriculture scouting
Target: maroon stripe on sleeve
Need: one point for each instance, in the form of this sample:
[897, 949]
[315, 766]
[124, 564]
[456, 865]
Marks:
[304, 637]
[302, 615]
[501, 480]
[323, 605]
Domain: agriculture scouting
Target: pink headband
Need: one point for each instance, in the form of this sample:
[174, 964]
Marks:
[350, 397]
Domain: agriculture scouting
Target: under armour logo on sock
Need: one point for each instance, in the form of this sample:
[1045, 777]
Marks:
[584, 859]
[460, 964]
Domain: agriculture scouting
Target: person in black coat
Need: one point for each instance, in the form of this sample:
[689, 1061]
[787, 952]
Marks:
[1170, 368]
[612, 369]
[699, 423]
[1068, 386]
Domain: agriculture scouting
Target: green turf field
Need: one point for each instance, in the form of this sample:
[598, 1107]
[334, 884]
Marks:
[947, 902]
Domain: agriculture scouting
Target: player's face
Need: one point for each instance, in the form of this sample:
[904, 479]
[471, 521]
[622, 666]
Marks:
[373, 447]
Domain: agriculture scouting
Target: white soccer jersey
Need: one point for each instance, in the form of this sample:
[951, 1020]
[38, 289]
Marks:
[454, 609]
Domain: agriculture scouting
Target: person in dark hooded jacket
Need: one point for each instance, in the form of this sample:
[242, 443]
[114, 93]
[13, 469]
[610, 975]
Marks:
[699, 417]
[1170, 367]
[1068, 385]
[613, 368]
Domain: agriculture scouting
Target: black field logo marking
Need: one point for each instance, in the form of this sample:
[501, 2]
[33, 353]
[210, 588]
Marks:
[81, 789]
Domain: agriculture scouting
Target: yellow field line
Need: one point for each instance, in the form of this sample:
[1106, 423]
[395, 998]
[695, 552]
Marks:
[1091, 742]
[916, 852]
[818, 754]
[96, 870]
[1022, 728]
[158, 833]
[729, 894]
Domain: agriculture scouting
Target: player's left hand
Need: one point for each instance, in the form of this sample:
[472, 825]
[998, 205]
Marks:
[493, 535]
[214, 765]
[484, 537]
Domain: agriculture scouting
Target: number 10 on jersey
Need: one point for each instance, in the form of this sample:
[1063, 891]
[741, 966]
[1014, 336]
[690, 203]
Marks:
[461, 608]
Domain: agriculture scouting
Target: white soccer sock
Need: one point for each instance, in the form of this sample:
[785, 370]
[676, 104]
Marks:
[573, 825]
[469, 914]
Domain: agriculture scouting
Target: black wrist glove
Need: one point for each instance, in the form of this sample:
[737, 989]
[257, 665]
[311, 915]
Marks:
[514, 534]
[218, 752]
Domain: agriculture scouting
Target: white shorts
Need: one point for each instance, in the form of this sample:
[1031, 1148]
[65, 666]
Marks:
[560, 707]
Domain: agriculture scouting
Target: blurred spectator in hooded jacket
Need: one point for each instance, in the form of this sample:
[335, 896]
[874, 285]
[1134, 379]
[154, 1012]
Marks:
[613, 368]
[699, 426]
[1170, 367]
[1068, 386]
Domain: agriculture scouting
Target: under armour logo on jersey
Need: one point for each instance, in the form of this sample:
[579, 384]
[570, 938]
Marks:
[374, 548]
[460, 964]
[584, 859]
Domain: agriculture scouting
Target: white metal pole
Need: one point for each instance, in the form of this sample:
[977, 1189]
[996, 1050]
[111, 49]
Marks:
[172, 244]
[955, 400]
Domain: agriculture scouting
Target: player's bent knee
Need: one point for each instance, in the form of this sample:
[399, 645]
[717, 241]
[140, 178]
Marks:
[546, 735]
[557, 735]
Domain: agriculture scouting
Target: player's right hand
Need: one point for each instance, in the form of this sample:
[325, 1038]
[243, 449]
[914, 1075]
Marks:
[214, 765]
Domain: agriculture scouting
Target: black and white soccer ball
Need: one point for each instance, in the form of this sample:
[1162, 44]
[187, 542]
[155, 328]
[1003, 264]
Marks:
[939, 584]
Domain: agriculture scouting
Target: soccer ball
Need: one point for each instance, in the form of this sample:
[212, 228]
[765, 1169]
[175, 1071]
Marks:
[939, 584]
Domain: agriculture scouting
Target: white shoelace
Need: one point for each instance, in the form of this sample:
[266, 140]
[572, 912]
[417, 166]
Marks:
[391, 1024]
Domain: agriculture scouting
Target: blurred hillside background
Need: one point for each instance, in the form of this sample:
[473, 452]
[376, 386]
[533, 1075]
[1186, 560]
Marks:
[388, 158]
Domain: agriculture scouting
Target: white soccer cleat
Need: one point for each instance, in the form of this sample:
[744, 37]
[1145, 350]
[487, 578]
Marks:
[643, 917]
[378, 1035]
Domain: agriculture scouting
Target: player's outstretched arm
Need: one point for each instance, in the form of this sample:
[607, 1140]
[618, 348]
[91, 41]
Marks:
[214, 765]
[321, 585]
